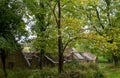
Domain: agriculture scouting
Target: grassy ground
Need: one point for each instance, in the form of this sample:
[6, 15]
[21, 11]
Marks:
[110, 70]
[71, 70]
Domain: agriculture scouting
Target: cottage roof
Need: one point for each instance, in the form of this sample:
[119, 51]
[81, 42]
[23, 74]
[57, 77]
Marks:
[89, 56]
[71, 52]
[78, 55]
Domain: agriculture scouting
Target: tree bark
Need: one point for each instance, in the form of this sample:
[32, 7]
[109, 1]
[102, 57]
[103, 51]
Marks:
[60, 46]
[115, 59]
[3, 59]
[41, 60]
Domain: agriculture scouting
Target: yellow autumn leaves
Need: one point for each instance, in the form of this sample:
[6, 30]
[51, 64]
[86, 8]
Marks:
[72, 23]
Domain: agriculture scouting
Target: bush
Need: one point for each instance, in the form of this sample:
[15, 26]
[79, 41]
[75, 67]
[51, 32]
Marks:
[99, 74]
[73, 74]
[93, 66]
[81, 70]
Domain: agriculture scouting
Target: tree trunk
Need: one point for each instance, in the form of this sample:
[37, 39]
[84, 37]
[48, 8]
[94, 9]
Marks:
[41, 60]
[3, 59]
[42, 50]
[60, 48]
[115, 59]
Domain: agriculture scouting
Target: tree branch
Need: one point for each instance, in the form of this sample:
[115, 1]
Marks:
[53, 11]
[89, 17]
[68, 43]
[98, 16]
[97, 30]
[70, 40]
[108, 11]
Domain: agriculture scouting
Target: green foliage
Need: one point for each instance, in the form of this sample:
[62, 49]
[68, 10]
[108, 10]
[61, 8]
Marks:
[81, 70]
[18, 74]
[89, 26]
[102, 21]
[102, 59]
[99, 74]
[12, 25]
[110, 70]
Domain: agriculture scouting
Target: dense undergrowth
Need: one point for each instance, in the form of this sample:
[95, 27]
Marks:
[71, 70]
[110, 70]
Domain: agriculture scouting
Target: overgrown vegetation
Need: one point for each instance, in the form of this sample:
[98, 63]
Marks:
[88, 25]
[110, 70]
[71, 70]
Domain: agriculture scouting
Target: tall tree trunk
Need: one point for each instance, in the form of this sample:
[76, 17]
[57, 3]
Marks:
[3, 59]
[60, 48]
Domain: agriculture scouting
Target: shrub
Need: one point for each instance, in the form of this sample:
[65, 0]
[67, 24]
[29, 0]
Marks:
[81, 70]
[99, 74]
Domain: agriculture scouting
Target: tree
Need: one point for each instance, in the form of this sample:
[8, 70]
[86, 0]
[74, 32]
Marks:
[41, 12]
[102, 16]
[60, 47]
[10, 29]
[68, 30]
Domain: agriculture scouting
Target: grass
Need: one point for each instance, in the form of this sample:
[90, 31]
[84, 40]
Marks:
[30, 73]
[102, 59]
[71, 70]
[110, 70]
[75, 70]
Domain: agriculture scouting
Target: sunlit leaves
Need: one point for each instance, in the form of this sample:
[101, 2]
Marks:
[72, 23]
